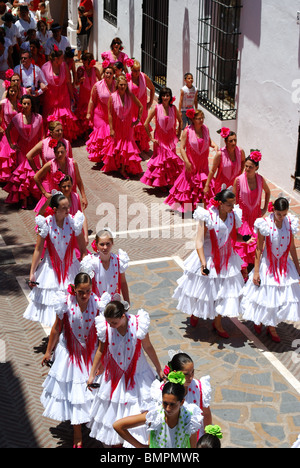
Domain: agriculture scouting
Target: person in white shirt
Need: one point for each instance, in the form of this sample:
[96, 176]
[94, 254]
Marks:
[32, 77]
[24, 23]
[11, 30]
[58, 40]
[188, 98]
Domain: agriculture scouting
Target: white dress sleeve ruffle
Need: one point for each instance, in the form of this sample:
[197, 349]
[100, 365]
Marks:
[294, 223]
[124, 260]
[203, 215]
[238, 213]
[206, 390]
[88, 265]
[194, 423]
[43, 226]
[61, 304]
[143, 324]
[262, 226]
[100, 323]
[76, 222]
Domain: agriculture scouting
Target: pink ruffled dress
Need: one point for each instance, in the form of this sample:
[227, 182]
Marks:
[21, 185]
[84, 97]
[187, 191]
[101, 131]
[122, 149]
[228, 170]
[57, 100]
[54, 177]
[7, 155]
[140, 91]
[165, 166]
[250, 203]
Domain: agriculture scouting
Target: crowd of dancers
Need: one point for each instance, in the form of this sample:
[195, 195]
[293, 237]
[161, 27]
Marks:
[244, 262]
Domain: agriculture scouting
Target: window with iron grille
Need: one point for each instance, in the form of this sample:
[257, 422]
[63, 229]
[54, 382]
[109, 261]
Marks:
[217, 59]
[110, 11]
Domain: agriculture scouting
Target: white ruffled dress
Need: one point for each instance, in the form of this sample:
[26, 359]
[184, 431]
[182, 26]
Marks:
[216, 294]
[44, 296]
[162, 436]
[273, 302]
[105, 281]
[199, 393]
[65, 396]
[111, 404]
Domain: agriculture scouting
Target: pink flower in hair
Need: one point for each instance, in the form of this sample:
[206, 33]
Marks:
[270, 207]
[9, 73]
[105, 56]
[51, 118]
[6, 84]
[255, 156]
[92, 63]
[130, 62]
[105, 63]
[225, 132]
[167, 370]
[190, 113]
[58, 176]
[128, 77]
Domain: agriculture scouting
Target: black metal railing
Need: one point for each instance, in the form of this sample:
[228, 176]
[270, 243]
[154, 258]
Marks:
[217, 58]
[155, 41]
[110, 11]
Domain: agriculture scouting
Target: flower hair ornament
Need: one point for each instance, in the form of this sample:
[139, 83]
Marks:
[176, 377]
[71, 289]
[55, 192]
[106, 298]
[9, 73]
[130, 62]
[105, 63]
[190, 113]
[255, 155]
[270, 207]
[214, 430]
[224, 132]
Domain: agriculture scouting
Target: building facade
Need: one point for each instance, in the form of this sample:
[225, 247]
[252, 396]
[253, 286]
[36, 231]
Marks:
[245, 58]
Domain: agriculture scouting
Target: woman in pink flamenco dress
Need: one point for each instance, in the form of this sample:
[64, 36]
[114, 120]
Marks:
[45, 149]
[87, 77]
[23, 133]
[98, 112]
[165, 165]
[121, 152]
[9, 108]
[188, 189]
[248, 188]
[54, 171]
[114, 55]
[57, 99]
[229, 161]
[139, 83]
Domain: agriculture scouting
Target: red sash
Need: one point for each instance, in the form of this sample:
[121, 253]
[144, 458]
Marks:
[61, 267]
[278, 265]
[221, 255]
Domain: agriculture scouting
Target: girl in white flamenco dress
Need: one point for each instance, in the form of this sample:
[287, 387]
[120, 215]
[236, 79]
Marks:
[74, 341]
[125, 374]
[211, 285]
[59, 265]
[272, 293]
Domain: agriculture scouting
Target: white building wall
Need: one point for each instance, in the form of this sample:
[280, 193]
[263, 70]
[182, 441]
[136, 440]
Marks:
[268, 112]
[268, 116]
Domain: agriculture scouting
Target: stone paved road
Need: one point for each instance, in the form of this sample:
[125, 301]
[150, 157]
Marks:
[256, 384]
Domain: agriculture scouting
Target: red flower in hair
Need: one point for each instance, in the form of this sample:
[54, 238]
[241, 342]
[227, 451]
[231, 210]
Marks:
[58, 176]
[71, 289]
[52, 143]
[255, 155]
[270, 207]
[215, 202]
[55, 48]
[94, 246]
[128, 77]
[190, 113]
[167, 370]
[92, 63]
